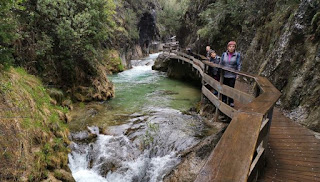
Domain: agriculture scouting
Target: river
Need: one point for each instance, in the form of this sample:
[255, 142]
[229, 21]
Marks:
[138, 135]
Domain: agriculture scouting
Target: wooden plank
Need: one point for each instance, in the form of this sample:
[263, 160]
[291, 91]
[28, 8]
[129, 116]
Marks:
[298, 155]
[305, 137]
[266, 86]
[198, 68]
[227, 110]
[258, 166]
[274, 132]
[298, 163]
[230, 69]
[181, 58]
[290, 132]
[201, 56]
[292, 147]
[231, 158]
[290, 176]
[263, 131]
[294, 142]
[295, 151]
[256, 159]
[228, 91]
[291, 129]
[298, 158]
[198, 62]
[285, 124]
[274, 179]
[262, 104]
[185, 55]
[300, 173]
[297, 140]
[297, 168]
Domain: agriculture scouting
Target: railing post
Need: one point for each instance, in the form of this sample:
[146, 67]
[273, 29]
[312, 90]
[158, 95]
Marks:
[219, 94]
[269, 116]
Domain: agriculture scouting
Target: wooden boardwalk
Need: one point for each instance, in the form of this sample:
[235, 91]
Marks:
[257, 134]
[293, 152]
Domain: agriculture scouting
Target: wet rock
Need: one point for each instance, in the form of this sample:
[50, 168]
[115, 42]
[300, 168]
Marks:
[84, 137]
[161, 63]
[63, 175]
[193, 160]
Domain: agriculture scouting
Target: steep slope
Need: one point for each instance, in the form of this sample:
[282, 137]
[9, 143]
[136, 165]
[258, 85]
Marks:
[33, 131]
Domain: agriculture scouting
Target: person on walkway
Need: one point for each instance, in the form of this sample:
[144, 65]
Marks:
[208, 49]
[214, 72]
[230, 59]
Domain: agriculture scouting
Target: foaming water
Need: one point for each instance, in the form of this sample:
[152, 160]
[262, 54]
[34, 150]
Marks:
[145, 149]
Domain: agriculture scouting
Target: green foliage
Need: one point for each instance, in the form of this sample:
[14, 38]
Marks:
[130, 24]
[82, 105]
[222, 19]
[64, 36]
[112, 61]
[5, 87]
[7, 33]
[316, 25]
[171, 15]
[120, 67]
[150, 133]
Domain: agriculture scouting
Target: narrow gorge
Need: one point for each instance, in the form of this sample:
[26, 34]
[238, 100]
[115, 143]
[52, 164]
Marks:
[82, 97]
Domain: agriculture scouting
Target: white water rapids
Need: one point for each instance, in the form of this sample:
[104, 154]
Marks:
[146, 147]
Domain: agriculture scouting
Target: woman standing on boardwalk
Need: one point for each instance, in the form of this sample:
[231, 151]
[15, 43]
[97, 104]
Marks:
[230, 59]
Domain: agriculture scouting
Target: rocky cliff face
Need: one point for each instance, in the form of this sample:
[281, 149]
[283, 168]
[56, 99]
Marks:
[277, 39]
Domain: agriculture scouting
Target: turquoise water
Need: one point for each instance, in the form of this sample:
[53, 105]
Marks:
[138, 90]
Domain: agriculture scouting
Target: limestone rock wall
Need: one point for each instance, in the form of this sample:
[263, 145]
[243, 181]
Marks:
[277, 39]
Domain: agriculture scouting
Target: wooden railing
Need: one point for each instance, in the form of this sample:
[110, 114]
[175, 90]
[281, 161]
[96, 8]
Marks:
[171, 47]
[240, 153]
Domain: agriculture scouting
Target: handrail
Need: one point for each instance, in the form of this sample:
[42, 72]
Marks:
[240, 153]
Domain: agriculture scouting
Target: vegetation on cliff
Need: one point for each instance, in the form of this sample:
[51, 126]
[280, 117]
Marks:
[65, 43]
[34, 133]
